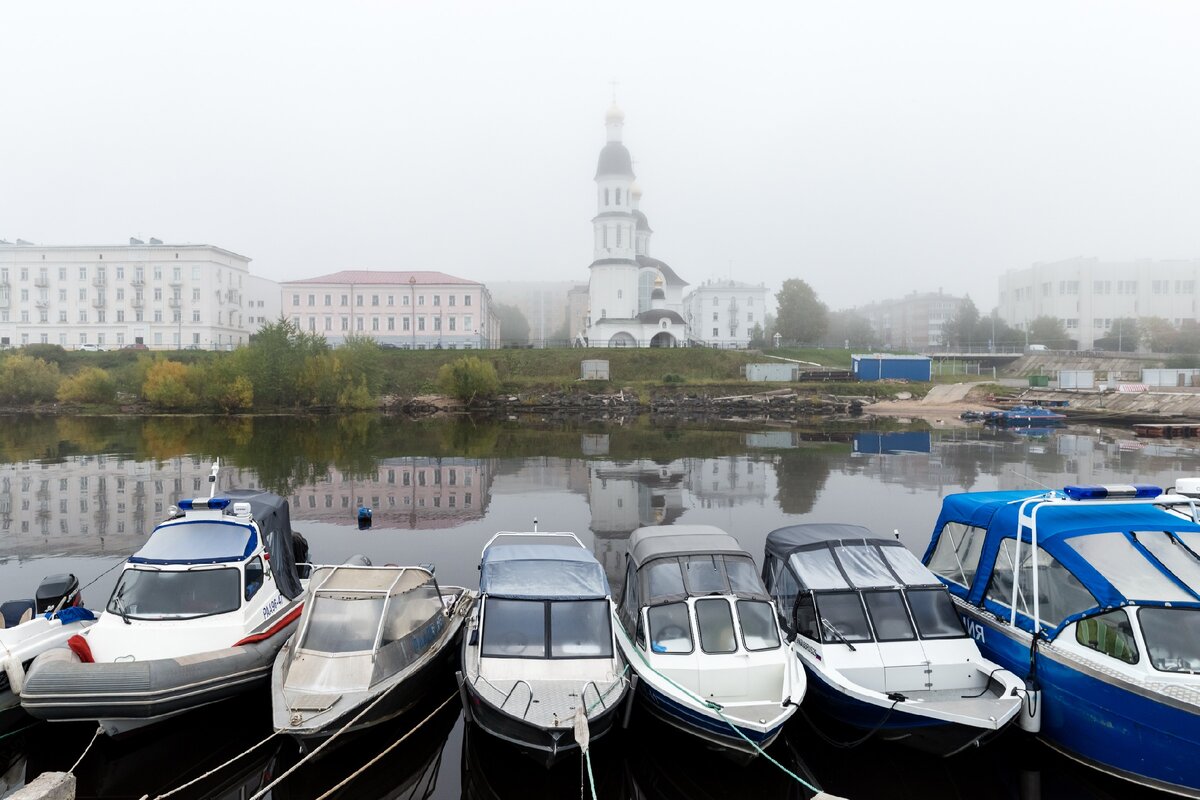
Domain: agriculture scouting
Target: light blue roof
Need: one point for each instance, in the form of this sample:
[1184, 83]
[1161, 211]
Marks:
[541, 571]
[197, 542]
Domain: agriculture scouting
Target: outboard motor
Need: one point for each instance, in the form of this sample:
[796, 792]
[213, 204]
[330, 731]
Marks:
[364, 518]
[58, 589]
[1188, 487]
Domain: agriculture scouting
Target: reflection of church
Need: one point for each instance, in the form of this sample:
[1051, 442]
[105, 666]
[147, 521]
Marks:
[633, 300]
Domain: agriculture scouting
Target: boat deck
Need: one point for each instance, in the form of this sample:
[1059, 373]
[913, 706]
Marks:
[547, 703]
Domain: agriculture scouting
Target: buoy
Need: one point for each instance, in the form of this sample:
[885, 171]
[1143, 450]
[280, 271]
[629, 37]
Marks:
[364, 518]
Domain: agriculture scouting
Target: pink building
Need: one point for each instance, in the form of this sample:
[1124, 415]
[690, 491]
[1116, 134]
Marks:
[419, 310]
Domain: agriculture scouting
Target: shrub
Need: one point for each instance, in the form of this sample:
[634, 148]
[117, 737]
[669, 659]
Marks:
[89, 385]
[167, 386]
[468, 379]
[24, 379]
[355, 397]
[673, 377]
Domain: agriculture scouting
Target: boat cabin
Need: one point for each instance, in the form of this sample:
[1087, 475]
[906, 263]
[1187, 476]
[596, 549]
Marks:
[362, 624]
[843, 584]
[693, 590]
[1106, 572]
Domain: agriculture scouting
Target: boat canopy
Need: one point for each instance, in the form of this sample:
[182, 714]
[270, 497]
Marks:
[206, 541]
[679, 561]
[830, 557]
[1093, 555]
[273, 516]
[541, 572]
[665, 541]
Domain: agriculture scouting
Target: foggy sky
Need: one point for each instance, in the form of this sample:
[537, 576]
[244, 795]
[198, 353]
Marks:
[870, 148]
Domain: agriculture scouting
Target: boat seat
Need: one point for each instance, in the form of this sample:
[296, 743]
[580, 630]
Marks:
[14, 612]
[1106, 639]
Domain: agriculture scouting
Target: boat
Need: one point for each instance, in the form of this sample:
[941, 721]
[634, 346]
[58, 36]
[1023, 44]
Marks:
[197, 615]
[30, 627]
[372, 642]
[885, 651]
[1106, 629]
[1023, 415]
[701, 636]
[539, 648]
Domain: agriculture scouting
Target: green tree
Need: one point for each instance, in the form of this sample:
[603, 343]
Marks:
[514, 328]
[1123, 336]
[801, 316]
[468, 379]
[962, 330]
[1050, 332]
[1159, 334]
[89, 385]
[361, 360]
[274, 361]
[167, 386]
[25, 379]
[848, 326]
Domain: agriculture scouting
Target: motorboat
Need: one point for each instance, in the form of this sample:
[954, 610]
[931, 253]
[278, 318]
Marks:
[539, 648]
[197, 615]
[1024, 415]
[886, 654]
[1092, 594]
[30, 627]
[372, 642]
[701, 636]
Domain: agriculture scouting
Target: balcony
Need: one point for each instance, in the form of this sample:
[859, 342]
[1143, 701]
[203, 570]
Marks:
[41, 303]
[98, 301]
[42, 280]
[99, 280]
[138, 280]
[4, 299]
[174, 302]
[175, 282]
[138, 301]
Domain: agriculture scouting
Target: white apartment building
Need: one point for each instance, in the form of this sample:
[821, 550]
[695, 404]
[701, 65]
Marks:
[164, 296]
[418, 310]
[724, 313]
[264, 302]
[1088, 294]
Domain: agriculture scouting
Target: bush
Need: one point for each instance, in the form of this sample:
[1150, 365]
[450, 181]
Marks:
[25, 379]
[89, 385]
[167, 386]
[672, 377]
[468, 379]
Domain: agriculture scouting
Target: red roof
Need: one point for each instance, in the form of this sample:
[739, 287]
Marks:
[385, 276]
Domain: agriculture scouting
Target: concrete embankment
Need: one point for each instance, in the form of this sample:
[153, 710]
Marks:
[47, 786]
[1128, 407]
[1126, 367]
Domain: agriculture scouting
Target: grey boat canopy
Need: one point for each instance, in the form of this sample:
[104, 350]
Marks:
[667, 541]
[541, 572]
[832, 556]
[674, 562]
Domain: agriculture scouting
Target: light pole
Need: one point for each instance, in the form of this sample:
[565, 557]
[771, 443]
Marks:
[412, 308]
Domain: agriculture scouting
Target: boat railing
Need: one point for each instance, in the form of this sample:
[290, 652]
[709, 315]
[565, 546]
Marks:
[536, 535]
[333, 569]
[512, 689]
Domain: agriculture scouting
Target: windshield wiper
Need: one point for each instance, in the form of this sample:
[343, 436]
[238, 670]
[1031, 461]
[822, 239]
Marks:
[120, 606]
[829, 626]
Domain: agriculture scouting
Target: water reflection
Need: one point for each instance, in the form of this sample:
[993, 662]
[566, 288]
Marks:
[81, 494]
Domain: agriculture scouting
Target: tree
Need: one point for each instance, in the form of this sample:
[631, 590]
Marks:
[1158, 334]
[514, 328]
[89, 385]
[850, 327]
[1122, 337]
[801, 316]
[1050, 332]
[24, 379]
[963, 329]
[468, 379]
[167, 386]
[274, 361]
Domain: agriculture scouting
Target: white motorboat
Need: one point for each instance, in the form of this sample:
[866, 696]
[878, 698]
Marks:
[197, 616]
[885, 651]
[700, 633]
[539, 645]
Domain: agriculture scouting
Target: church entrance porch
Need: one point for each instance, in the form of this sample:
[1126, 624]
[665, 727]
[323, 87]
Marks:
[622, 339]
[663, 339]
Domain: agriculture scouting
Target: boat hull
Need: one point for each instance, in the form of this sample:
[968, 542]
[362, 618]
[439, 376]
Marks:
[547, 746]
[127, 695]
[1088, 716]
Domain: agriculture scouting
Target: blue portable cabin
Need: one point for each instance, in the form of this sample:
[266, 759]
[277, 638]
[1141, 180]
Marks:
[889, 366]
[1106, 627]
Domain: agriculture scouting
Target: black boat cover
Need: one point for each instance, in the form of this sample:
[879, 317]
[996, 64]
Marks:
[272, 514]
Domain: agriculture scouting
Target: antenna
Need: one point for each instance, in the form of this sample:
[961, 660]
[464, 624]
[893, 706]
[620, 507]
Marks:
[212, 478]
[1031, 480]
[614, 83]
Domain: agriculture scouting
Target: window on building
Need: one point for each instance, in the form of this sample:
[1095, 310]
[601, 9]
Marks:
[404, 323]
[195, 316]
[328, 299]
[466, 300]
[715, 302]
[606, 197]
[157, 293]
[295, 299]
[62, 316]
[82, 315]
[450, 299]
[715, 316]
[437, 323]
[358, 324]
[420, 323]
[437, 299]
[312, 323]
[716, 332]
[618, 198]
[99, 315]
[452, 321]
[358, 300]
[391, 323]
[374, 323]
[328, 323]
[345, 299]
[312, 300]
[619, 229]
[158, 274]
[374, 299]
[345, 323]
[467, 322]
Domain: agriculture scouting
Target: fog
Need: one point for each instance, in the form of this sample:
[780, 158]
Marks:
[871, 148]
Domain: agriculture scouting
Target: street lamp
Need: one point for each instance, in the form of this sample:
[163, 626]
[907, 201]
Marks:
[412, 308]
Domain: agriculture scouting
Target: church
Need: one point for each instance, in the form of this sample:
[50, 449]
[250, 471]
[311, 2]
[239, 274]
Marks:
[634, 300]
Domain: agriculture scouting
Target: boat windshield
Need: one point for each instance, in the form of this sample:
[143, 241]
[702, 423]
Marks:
[671, 626]
[343, 623]
[546, 629]
[1173, 638]
[176, 594]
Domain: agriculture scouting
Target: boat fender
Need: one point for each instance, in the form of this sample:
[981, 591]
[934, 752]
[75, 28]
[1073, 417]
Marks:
[1030, 719]
[364, 518]
[80, 647]
[16, 674]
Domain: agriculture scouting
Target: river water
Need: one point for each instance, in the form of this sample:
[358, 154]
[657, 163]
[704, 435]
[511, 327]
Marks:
[81, 494]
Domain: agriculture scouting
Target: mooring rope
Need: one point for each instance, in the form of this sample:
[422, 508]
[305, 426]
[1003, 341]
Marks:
[718, 709]
[95, 736]
[212, 771]
[587, 754]
[849, 745]
[389, 749]
[18, 730]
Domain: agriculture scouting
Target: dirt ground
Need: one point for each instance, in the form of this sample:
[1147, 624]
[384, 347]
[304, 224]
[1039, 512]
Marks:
[943, 404]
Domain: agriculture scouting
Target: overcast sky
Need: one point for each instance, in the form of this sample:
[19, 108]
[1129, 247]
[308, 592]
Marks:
[871, 148]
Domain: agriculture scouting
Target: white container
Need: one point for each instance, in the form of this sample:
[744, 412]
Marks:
[593, 370]
[1077, 379]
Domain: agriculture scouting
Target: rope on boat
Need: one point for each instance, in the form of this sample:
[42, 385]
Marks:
[312, 753]
[95, 736]
[587, 755]
[390, 748]
[119, 562]
[212, 771]
[856, 742]
[600, 697]
[18, 730]
[718, 709]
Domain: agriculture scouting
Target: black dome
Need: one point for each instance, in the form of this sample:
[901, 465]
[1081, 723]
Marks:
[657, 314]
[614, 160]
[658, 294]
[642, 223]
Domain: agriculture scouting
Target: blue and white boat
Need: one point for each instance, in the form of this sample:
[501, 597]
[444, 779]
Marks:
[1105, 630]
[884, 649]
[701, 636]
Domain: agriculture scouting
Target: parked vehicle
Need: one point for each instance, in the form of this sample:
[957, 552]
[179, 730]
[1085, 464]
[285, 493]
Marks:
[884, 649]
[1093, 595]
[702, 638]
[91, 348]
[539, 648]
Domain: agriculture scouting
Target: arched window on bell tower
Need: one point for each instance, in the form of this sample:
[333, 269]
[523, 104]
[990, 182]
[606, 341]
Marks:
[618, 197]
[606, 197]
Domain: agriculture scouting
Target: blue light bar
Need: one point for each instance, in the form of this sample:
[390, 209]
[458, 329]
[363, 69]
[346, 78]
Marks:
[200, 503]
[1112, 491]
